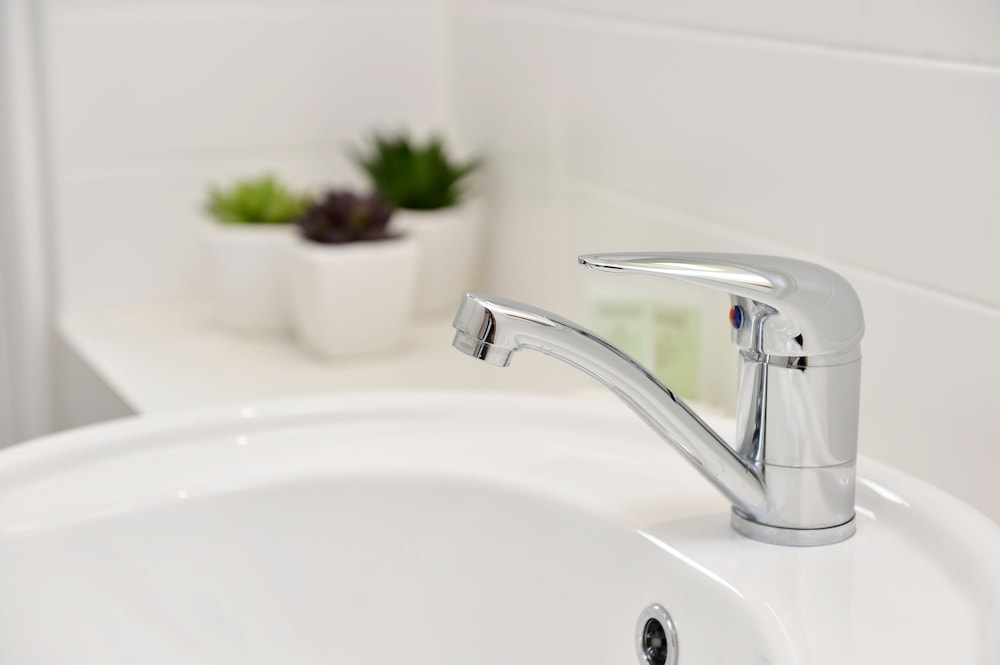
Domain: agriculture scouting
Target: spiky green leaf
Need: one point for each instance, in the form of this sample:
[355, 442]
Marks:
[262, 200]
[412, 175]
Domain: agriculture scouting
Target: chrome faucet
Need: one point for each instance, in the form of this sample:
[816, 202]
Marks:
[791, 474]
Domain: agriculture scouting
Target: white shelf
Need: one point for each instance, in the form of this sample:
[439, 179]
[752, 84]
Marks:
[170, 356]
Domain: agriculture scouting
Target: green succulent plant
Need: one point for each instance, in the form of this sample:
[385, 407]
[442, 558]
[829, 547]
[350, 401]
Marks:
[411, 175]
[262, 200]
[342, 217]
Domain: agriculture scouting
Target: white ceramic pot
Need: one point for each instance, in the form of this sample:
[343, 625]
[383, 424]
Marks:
[352, 298]
[245, 266]
[449, 246]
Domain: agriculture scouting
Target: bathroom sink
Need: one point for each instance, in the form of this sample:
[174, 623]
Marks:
[445, 529]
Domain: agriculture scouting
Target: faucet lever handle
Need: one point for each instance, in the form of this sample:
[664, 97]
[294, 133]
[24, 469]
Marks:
[820, 313]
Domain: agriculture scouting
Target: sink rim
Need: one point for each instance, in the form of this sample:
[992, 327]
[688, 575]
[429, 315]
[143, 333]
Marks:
[890, 501]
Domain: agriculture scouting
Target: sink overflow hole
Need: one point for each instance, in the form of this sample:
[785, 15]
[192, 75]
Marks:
[654, 643]
[656, 637]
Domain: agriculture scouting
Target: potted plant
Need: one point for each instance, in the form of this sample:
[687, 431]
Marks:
[350, 277]
[428, 189]
[246, 240]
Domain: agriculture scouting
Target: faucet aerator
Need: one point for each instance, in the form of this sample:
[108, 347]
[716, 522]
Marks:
[472, 346]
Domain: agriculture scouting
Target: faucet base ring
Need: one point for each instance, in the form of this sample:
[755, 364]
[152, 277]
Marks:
[776, 535]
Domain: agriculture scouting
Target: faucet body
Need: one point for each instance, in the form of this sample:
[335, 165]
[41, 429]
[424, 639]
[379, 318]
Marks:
[791, 474]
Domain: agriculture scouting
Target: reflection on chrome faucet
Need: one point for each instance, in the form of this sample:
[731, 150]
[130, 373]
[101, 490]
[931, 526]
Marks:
[797, 325]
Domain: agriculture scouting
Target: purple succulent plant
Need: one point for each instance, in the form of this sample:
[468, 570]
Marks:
[343, 216]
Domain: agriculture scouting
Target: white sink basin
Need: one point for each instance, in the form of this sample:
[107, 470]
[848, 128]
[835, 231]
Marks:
[439, 529]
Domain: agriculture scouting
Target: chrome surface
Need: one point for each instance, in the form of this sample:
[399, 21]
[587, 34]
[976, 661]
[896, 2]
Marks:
[656, 613]
[791, 474]
[491, 329]
[803, 309]
[797, 537]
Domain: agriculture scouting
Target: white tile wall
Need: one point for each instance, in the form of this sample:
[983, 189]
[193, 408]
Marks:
[960, 30]
[152, 101]
[929, 387]
[641, 118]
[526, 218]
[126, 81]
[865, 136]
[132, 232]
[507, 86]
[912, 162]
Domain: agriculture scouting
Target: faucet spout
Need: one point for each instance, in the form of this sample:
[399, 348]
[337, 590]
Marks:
[492, 329]
[797, 327]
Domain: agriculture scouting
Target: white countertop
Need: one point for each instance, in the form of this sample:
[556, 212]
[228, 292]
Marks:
[170, 356]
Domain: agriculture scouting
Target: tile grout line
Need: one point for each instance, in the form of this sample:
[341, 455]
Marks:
[694, 221]
[652, 24]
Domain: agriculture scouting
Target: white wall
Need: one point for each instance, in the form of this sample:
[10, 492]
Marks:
[6, 405]
[24, 232]
[151, 101]
[862, 135]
